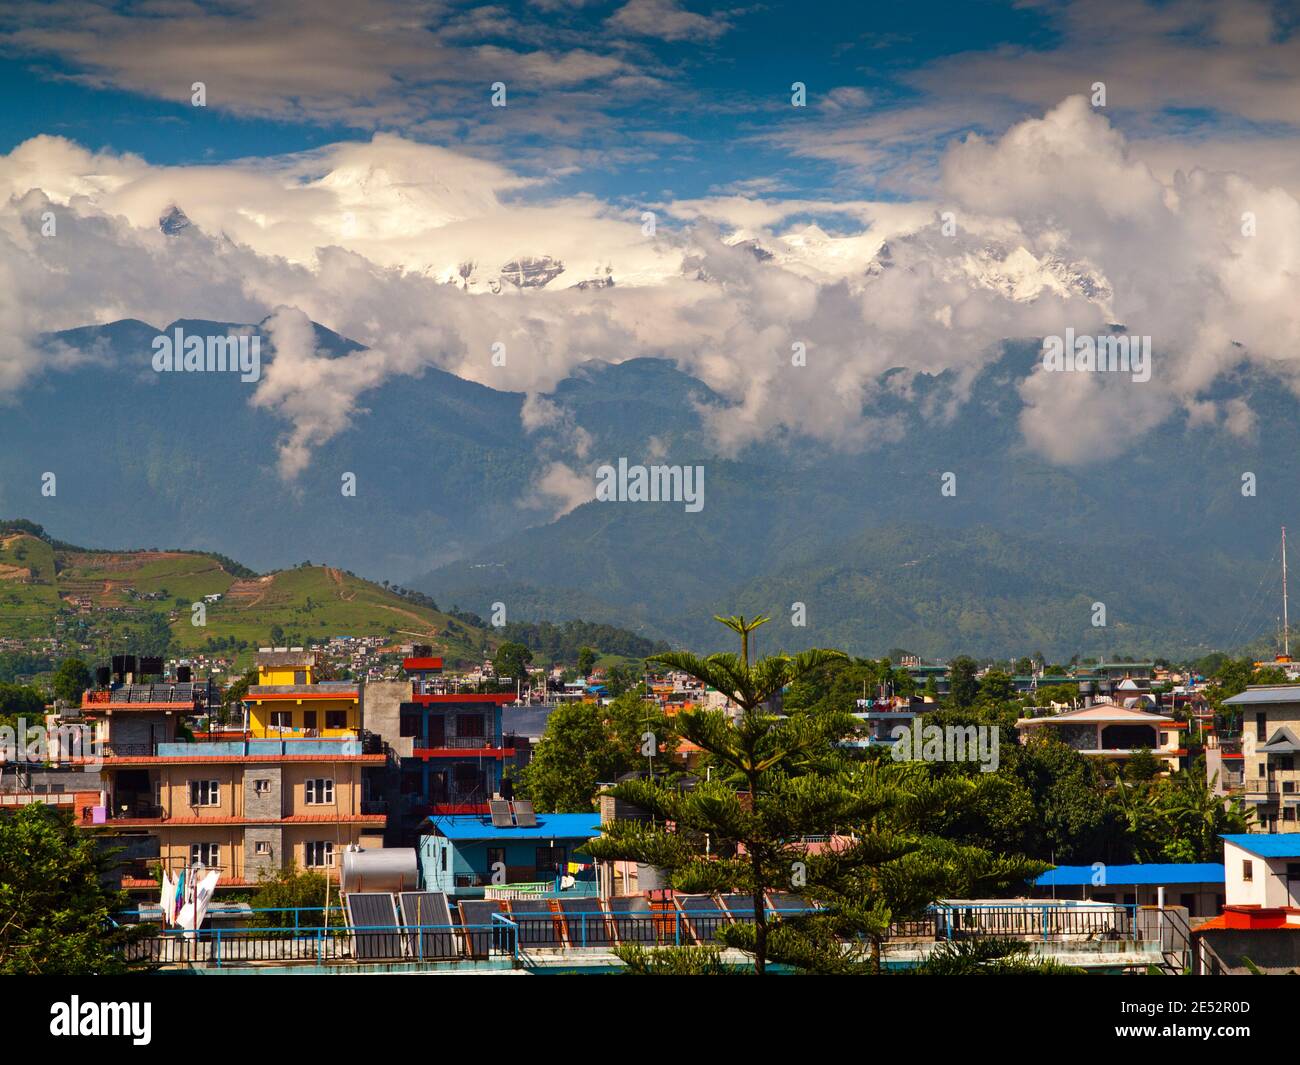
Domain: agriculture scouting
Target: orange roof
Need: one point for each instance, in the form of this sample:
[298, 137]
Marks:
[199, 822]
[227, 759]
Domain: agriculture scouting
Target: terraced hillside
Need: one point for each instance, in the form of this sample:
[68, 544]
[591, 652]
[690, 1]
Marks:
[44, 585]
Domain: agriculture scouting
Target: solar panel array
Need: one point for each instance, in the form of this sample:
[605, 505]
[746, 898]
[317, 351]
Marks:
[371, 914]
[704, 915]
[480, 939]
[740, 907]
[525, 815]
[584, 923]
[630, 923]
[500, 811]
[428, 920]
[537, 924]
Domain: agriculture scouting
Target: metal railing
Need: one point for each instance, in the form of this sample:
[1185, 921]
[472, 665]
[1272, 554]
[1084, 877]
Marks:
[1108, 921]
[221, 947]
[594, 927]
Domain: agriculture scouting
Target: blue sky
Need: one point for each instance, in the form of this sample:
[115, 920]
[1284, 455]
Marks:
[720, 96]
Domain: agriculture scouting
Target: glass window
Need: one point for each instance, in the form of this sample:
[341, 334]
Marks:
[205, 793]
[320, 791]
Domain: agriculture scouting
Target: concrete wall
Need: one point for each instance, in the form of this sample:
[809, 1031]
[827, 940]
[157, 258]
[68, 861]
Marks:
[1267, 886]
[381, 702]
[269, 804]
[255, 864]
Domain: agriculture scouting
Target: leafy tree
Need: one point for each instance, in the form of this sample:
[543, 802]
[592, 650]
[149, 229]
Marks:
[962, 685]
[747, 845]
[586, 744]
[996, 687]
[512, 660]
[621, 678]
[71, 679]
[586, 661]
[55, 912]
[291, 888]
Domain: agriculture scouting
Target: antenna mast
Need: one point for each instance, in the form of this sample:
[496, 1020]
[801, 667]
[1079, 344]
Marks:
[1286, 628]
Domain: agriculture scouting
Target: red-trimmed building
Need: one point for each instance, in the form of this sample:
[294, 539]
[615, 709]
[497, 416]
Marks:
[457, 746]
[245, 806]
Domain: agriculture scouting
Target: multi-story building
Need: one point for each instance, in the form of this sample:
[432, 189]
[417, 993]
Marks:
[292, 699]
[1270, 742]
[244, 806]
[449, 748]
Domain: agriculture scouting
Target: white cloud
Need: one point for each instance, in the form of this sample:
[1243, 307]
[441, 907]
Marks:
[400, 246]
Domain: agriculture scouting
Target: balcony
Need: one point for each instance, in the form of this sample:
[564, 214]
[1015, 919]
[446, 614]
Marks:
[1269, 789]
[450, 746]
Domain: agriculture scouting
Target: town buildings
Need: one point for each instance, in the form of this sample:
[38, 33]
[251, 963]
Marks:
[284, 792]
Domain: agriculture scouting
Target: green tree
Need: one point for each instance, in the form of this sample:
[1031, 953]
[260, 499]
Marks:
[289, 889]
[71, 679]
[586, 744]
[748, 840]
[586, 660]
[55, 912]
[512, 661]
[962, 685]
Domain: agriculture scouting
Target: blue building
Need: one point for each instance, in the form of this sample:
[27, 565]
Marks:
[1196, 886]
[458, 748]
[458, 854]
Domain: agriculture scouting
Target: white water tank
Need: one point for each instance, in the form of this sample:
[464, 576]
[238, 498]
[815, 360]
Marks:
[386, 869]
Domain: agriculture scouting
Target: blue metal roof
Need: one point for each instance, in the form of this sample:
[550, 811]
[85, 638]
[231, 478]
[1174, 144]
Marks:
[1267, 845]
[549, 826]
[1156, 873]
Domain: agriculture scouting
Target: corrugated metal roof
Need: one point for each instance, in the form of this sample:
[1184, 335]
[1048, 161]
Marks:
[1155, 873]
[1267, 845]
[1266, 693]
[549, 826]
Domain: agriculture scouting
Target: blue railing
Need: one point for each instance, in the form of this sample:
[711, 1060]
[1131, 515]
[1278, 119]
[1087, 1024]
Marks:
[219, 947]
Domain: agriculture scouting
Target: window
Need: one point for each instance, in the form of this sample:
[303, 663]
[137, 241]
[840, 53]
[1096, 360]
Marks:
[261, 786]
[263, 848]
[550, 859]
[320, 791]
[336, 719]
[1288, 814]
[300, 676]
[207, 855]
[470, 725]
[1293, 871]
[309, 719]
[1247, 870]
[282, 719]
[444, 858]
[319, 853]
[1261, 725]
[1188, 903]
[205, 793]
[409, 725]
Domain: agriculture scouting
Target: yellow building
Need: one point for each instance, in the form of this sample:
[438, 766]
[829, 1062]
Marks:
[290, 700]
[245, 807]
